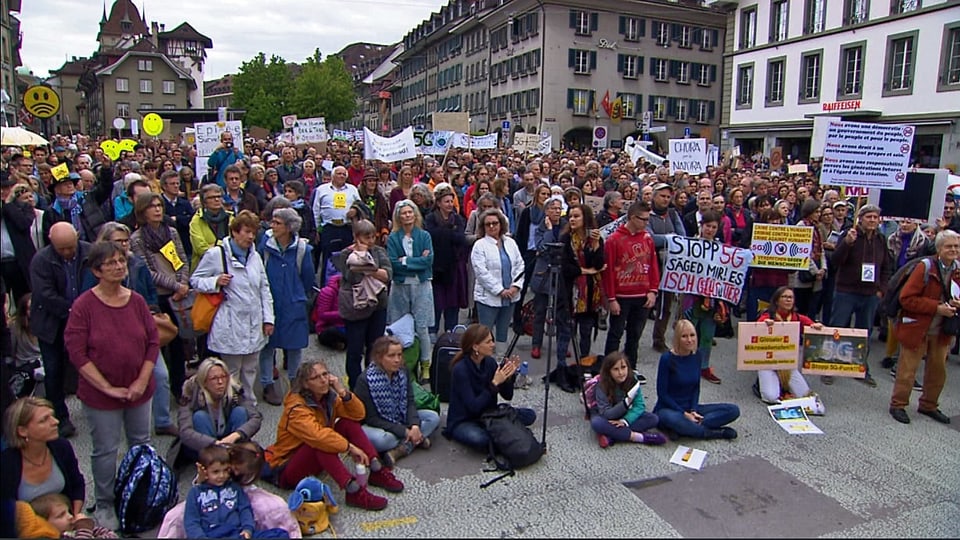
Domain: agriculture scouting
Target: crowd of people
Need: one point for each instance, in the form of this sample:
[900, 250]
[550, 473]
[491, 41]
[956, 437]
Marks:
[96, 258]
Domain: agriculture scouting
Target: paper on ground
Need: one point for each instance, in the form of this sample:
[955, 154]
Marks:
[793, 419]
[690, 458]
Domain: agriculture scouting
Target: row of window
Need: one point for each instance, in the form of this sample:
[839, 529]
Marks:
[450, 103]
[585, 23]
[583, 102]
[525, 102]
[629, 66]
[146, 86]
[450, 76]
[413, 90]
[477, 71]
[123, 109]
[814, 17]
[898, 76]
[450, 48]
[477, 101]
[476, 41]
[517, 66]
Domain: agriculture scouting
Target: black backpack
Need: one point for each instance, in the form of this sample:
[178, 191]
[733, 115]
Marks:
[510, 439]
[146, 488]
[890, 303]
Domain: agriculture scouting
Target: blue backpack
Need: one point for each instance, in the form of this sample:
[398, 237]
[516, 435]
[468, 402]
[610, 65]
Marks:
[146, 488]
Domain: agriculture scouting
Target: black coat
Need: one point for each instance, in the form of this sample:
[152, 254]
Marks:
[183, 211]
[92, 217]
[49, 306]
[74, 486]
[19, 218]
[449, 244]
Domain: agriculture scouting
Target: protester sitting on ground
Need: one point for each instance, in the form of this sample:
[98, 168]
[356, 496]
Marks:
[620, 412]
[55, 508]
[393, 423]
[678, 392]
[475, 381]
[214, 409]
[320, 420]
[775, 385]
[269, 511]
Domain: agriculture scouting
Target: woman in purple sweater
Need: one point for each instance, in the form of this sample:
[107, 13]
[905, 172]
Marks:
[113, 342]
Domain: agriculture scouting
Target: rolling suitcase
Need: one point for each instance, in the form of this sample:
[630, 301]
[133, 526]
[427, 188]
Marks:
[446, 347]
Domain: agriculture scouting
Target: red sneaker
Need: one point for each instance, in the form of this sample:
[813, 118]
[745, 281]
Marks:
[385, 479]
[535, 352]
[603, 440]
[708, 375]
[366, 500]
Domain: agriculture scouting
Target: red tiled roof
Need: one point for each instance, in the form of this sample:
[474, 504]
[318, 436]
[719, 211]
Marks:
[124, 11]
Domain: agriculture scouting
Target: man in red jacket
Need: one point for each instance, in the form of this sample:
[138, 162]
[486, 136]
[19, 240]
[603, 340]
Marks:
[630, 281]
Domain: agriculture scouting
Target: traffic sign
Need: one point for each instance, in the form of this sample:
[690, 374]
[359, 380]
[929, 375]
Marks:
[505, 124]
[686, 133]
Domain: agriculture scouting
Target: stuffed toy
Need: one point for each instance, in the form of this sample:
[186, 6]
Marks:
[311, 504]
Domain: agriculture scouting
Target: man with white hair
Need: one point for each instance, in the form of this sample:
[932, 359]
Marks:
[331, 204]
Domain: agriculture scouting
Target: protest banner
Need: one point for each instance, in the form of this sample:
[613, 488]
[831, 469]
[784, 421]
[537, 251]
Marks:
[595, 203]
[433, 142]
[608, 229]
[341, 135]
[835, 351]
[819, 138]
[389, 149]
[705, 268]
[484, 142]
[791, 415]
[526, 142]
[310, 130]
[546, 143]
[797, 168]
[208, 135]
[866, 155]
[460, 140]
[760, 346]
[688, 155]
[785, 247]
[288, 121]
[451, 121]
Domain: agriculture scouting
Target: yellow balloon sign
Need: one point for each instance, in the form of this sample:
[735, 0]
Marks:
[41, 101]
[152, 124]
[127, 145]
[111, 149]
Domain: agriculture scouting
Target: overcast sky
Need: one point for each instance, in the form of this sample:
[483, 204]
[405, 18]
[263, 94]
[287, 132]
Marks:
[55, 30]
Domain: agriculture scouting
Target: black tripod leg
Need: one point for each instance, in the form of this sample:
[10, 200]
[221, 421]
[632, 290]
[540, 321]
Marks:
[513, 343]
[583, 391]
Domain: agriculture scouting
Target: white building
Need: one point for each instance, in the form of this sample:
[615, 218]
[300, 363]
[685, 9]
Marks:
[877, 61]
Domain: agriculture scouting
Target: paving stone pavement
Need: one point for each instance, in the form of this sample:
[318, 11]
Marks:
[867, 475]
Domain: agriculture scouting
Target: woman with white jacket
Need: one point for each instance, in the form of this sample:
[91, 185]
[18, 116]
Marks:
[498, 267]
[244, 321]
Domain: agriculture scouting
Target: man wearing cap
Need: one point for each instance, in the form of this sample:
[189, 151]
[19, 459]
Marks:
[841, 221]
[664, 220]
[224, 156]
[331, 204]
[863, 266]
[288, 168]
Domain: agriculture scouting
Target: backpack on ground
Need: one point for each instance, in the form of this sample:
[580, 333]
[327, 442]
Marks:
[512, 441]
[446, 347]
[890, 303]
[590, 392]
[145, 489]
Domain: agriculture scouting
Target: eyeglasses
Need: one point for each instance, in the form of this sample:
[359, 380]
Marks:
[216, 378]
[156, 205]
[116, 263]
[492, 224]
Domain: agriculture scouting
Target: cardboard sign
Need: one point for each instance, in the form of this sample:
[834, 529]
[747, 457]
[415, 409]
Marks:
[866, 155]
[785, 247]
[61, 171]
[484, 142]
[289, 121]
[595, 203]
[389, 149]
[451, 121]
[841, 352]
[705, 268]
[688, 155]
[776, 158]
[526, 142]
[310, 130]
[760, 346]
[798, 168]
[208, 135]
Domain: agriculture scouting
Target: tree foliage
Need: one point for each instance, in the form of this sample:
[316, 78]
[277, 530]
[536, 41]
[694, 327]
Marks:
[267, 90]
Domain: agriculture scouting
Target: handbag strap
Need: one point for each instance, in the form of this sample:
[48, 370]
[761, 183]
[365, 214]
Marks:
[223, 257]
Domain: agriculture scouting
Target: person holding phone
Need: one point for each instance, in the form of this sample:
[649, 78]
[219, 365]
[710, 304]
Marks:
[224, 156]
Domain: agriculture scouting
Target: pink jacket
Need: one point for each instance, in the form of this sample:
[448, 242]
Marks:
[269, 511]
[326, 313]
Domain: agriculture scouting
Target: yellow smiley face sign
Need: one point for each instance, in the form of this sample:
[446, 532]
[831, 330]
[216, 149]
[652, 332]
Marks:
[127, 145]
[152, 124]
[111, 149]
[41, 101]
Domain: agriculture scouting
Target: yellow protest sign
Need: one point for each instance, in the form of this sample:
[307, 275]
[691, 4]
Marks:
[152, 124]
[760, 346]
[169, 252]
[111, 149]
[127, 145]
[784, 247]
[60, 171]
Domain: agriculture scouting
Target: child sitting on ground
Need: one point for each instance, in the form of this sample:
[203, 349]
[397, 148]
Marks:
[55, 508]
[619, 412]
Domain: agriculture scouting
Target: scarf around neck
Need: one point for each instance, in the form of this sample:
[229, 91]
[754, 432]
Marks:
[389, 395]
[219, 222]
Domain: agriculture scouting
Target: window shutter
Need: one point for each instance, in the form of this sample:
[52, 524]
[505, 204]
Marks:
[712, 110]
[639, 65]
[655, 30]
[571, 57]
[671, 106]
[594, 22]
[694, 72]
[593, 59]
[713, 73]
[643, 27]
[676, 29]
[697, 35]
[650, 103]
[593, 95]
[573, 18]
[620, 60]
[716, 38]
[623, 25]
[653, 66]
[674, 68]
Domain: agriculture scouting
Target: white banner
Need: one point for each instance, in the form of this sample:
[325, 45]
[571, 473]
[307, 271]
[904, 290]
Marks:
[484, 142]
[546, 143]
[866, 155]
[310, 130]
[208, 135]
[705, 268]
[688, 155]
[608, 229]
[389, 149]
[342, 135]
[460, 140]
[526, 142]
[433, 142]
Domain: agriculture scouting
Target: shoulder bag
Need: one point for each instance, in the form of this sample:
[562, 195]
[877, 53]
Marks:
[205, 305]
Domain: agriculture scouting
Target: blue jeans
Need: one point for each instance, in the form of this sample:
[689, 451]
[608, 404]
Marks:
[266, 364]
[602, 426]
[472, 434]
[633, 316]
[846, 306]
[202, 422]
[383, 440]
[497, 319]
[161, 396]
[715, 416]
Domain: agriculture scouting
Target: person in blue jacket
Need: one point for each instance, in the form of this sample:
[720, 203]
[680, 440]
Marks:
[289, 264]
[224, 155]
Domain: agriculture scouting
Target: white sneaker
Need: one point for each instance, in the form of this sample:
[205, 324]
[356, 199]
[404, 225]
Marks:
[106, 518]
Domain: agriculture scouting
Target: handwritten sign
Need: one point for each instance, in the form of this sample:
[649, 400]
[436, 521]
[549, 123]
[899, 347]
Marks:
[705, 268]
[389, 149]
[761, 347]
[866, 155]
[785, 247]
[797, 168]
[835, 351]
[208, 135]
[688, 155]
[310, 130]
[484, 142]
[526, 142]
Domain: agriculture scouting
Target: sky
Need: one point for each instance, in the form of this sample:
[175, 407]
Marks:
[56, 30]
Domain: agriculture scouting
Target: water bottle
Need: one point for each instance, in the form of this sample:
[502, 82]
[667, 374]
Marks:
[523, 379]
[361, 474]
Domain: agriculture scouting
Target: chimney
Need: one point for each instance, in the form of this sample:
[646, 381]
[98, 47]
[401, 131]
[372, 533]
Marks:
[154, 30]
[163, 27]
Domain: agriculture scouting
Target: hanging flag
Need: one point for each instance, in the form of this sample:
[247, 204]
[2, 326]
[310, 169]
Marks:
[616, 110]
[606, 103]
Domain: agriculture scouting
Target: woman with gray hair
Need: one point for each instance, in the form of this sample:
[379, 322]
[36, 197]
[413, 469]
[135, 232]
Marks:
[612, 208]
[289, 264]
